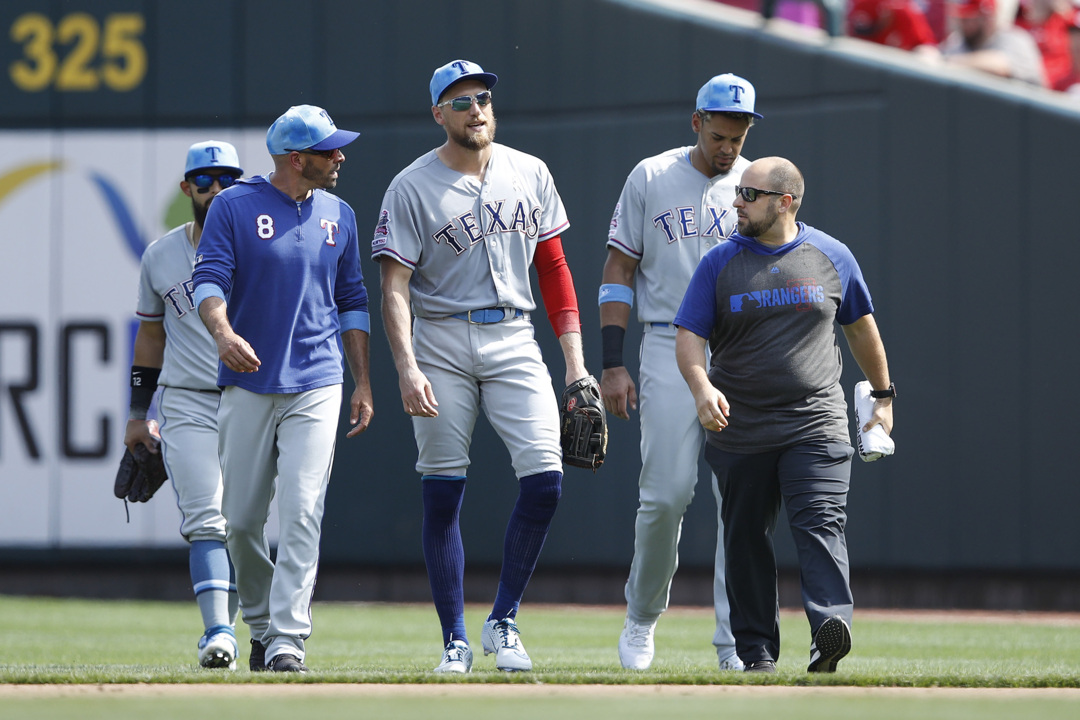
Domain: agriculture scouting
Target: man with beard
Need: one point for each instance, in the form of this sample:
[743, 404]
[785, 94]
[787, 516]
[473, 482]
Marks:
[773, 409]
[278, 284]
[458, 230]
[673, 208]
[174, 351]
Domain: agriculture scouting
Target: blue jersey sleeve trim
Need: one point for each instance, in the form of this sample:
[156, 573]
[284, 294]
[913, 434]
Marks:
[355, 320]
[207, 290]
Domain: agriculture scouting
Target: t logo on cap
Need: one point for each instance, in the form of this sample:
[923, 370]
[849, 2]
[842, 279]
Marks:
[456, 71]
[306, 127]
[727, 93]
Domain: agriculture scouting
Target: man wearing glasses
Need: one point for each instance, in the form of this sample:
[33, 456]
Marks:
[772, 406]
[174, 351]
[277, 284]
[458, 230]
[674, 207]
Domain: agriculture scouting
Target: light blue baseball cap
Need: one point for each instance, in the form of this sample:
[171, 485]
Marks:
[212, 154]
[456, 71]
[306, 127]
[727, 93]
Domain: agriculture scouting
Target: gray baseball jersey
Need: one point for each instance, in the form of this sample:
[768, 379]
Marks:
[470, 246]
[166, 294]
[668, 216]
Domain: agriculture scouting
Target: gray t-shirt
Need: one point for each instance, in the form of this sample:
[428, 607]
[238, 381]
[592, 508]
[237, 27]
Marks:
[769, 315]
[1017, 44]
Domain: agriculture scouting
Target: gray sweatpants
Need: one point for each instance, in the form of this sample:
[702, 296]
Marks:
[812, 479]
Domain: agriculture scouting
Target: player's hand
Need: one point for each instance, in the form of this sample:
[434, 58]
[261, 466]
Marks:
[141, 431]
[713, 410]
[237, 355]
[361, 411]
[417, 395]
[882, 415]
[618, 391]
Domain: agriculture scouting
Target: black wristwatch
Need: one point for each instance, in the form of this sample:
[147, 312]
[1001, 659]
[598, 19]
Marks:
[882, 394]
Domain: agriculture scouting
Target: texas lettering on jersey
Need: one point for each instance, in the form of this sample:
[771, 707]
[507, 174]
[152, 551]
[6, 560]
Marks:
[683, 223]
[496, 217]
[180, 297]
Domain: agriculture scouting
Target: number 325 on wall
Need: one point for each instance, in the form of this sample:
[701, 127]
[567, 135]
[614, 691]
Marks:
[110, 54]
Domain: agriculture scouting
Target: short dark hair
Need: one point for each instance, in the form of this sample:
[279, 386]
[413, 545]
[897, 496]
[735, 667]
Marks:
[706, 115]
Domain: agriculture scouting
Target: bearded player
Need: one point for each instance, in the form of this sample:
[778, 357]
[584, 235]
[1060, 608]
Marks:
[458, 231]
[174, 351]
[674, 207]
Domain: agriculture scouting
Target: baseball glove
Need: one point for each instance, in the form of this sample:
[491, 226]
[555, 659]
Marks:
[140, 475]
[584, 424]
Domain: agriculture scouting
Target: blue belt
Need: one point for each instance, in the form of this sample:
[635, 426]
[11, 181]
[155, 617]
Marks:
[660, 325]
[488, 315]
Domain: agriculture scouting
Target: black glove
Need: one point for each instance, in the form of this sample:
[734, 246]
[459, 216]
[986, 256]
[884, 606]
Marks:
[584, 424]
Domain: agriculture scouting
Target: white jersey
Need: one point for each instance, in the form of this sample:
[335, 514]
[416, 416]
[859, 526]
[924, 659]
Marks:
[668, 216]
[470, 244]
[166, 294]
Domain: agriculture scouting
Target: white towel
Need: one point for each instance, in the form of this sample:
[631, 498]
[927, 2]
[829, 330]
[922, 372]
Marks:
[876, 443]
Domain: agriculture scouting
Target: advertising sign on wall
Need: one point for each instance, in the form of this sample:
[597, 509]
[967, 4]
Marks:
[77, 208]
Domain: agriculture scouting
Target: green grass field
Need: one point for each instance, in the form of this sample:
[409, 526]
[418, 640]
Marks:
[72, 645]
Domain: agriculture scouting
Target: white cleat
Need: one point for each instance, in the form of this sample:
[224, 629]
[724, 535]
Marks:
[457, 658]
[217, 649]
[636, 646]
[732, 662]
[501, 637]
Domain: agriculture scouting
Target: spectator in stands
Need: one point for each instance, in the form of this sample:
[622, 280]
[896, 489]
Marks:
[1073, 87]
[1048, 22]
[979, 43]
[896, 23]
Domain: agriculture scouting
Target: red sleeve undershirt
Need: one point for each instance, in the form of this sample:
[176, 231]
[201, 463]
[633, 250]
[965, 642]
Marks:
[557, 286]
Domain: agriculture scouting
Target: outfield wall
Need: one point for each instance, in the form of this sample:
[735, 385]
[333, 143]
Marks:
[947, 185]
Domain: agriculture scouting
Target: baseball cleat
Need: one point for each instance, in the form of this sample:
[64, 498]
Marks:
[831, 642]
[217, 648]
[636, 646]
[457, 658]
[501, 637]
[257, 659]
[732, 662]
[287, 663]
[760, 666]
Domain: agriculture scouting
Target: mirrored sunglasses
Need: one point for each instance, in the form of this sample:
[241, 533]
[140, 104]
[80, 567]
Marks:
[206, 181]
[464, 102]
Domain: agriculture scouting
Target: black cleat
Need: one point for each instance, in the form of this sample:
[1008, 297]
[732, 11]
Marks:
[832, 641]
[257, 660]
[760, 666]
[287, 663]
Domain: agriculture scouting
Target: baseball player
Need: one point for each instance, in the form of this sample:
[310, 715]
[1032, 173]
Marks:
[770, 399]
[173, 351]
[278, 282]
[458, 230]
[674, 207]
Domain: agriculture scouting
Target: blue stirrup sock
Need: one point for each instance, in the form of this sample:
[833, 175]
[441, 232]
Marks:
[211, 578]
[525, 535]
[444, 553]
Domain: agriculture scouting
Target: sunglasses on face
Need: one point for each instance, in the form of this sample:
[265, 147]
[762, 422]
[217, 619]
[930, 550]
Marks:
[463, 103]
[328, 154]
[750, 194]
[206, 181]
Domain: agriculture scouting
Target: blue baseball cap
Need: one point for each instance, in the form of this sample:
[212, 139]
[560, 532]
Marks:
[306, 127]
[212, 154]
[727, 93]
[456, 71]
